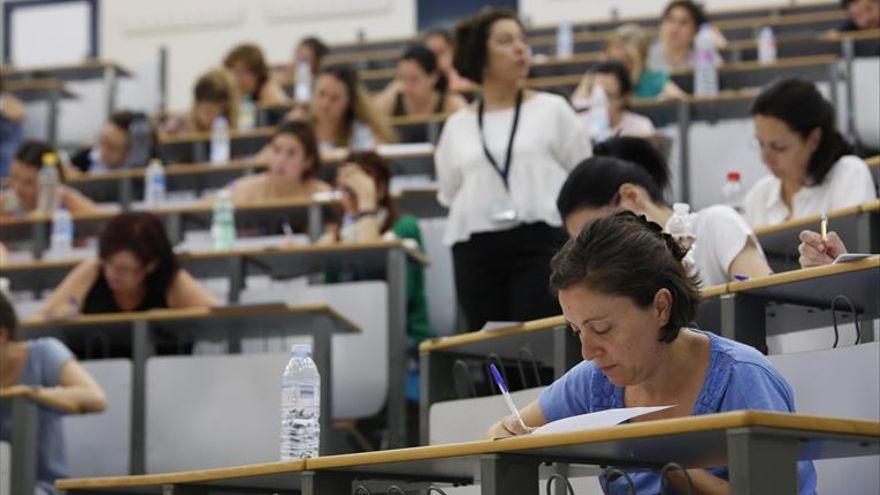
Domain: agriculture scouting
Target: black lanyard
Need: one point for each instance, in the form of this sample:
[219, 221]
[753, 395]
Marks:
[503, 172]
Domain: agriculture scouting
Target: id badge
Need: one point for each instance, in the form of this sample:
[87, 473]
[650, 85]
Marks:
[502, 211]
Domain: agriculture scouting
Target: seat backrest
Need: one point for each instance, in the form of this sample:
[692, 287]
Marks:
[98, 444]
[466, 420]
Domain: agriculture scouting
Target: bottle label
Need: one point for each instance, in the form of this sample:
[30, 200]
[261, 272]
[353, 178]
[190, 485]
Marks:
[300, 395]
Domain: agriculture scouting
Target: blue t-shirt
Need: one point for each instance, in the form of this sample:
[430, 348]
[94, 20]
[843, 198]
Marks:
[42, 368]
[739, 377]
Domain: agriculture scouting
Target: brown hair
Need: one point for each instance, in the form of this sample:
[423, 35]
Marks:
[144, 235]
[31, 153]
[623, 254]
[378, 168]
[253, 59]
[8, 319]
[359, 106]
[306, 135]
[471, 42]
[216, 86]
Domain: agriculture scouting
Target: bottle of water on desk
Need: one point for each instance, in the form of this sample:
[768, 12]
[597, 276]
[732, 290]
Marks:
[303, 89]
[300, 405]
[247, 114]
[564, 40]
[600, 124]
[705, 71]
[766, 46]
[220, 141]
[61, 242]
[223, 222]
[732, 191]
[48, 184]
[154, 184]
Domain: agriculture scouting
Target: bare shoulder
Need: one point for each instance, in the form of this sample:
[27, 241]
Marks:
[317, 185]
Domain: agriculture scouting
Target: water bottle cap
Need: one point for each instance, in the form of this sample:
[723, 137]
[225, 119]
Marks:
[681, 208]
[301, 350]
[49, 158]
[733, 176]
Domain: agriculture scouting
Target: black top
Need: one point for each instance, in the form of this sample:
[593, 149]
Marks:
[100, 299]
[82, 159]
[415, 133]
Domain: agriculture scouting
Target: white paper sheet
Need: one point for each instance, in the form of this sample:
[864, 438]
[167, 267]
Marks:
[850, 257]
[601, 419]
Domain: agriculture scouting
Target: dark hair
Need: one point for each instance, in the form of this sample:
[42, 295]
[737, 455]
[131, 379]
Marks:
[625, 255]
[378, 168]
[595, 182]
[253, 58]
[8, 319]
[31, 153]
[420, 54]
[304, 132]
[471, 42]
[443, 33]
[640, 151]
[318, 48]
[619, 71]
[694, 10]
[846, 3]
[144, 235]
[213, 87]
[800, 105]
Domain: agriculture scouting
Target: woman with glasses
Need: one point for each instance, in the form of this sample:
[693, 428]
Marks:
[812, 167]
[500, 163]
[136, 270]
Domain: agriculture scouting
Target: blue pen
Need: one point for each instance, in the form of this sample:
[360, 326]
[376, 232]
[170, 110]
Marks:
[740, 278]
[501, 385]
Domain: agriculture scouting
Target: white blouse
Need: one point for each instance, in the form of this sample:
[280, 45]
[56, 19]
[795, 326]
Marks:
[848, 183]
[550, 141]
[721, 234]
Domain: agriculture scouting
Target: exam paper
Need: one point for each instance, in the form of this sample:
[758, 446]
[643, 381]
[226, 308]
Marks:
[850, 257]
[601, 419]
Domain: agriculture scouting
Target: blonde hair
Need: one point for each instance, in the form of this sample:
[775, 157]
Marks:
[633, 40]
[215, 86]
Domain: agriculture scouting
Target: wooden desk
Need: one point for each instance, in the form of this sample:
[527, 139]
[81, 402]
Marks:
[858, 227]
[798, 300]
[107, 70]
[302, 214]
[24, 405]
[874, 167]
[759, 448]
[50, 90]
[384, 260]
[138, 333]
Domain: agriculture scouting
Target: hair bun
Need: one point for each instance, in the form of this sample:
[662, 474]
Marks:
[678, 252]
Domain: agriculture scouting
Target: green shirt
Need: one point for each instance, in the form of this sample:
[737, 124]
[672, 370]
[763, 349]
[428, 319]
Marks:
[417, 325]
[650, 84]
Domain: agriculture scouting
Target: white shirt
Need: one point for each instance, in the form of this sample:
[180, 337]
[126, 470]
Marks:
[635, 125]
[720, 235]
[848, 183]
[550, 141]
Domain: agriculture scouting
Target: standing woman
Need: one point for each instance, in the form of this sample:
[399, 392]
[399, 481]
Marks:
[812, 167]
[500, 164]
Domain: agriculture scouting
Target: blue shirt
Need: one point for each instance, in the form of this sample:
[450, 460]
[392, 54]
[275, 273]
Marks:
[739, 377]
[42, 368]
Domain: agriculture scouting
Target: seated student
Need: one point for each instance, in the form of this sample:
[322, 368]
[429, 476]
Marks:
[440, 42]
[111, 150]
[12, 114]
[214, 95]
[812, 167]
[674, 48]
[625, 294]
[311, 50]
[48, 368]
[23, 192]
[251, 75]
[420, 89]
[294, 167]
[369, 214]
[613, 78]
[861, 14]
[136, 270]
[628, 44]
[342, 112]
[629, 173]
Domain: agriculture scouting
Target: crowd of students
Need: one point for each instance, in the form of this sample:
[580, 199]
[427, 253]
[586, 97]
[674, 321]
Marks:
[531, 198]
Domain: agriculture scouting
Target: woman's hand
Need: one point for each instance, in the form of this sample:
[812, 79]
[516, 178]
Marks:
[353, 178]
[509, 426]
[816, 252]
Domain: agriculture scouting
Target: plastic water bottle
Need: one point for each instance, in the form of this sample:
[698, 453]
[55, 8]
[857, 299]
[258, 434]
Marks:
[732, 191]
[680, 225]
[564, 40]
[247, 114]
[61, 241]
[154, 184]
[48, 184]
[300, 405]
[705, 71]
[597, 117]
[303, 89]
[220, 141]
[223, 222]
[766, 46]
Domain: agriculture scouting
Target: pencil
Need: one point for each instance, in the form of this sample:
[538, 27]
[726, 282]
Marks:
[823, 227]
